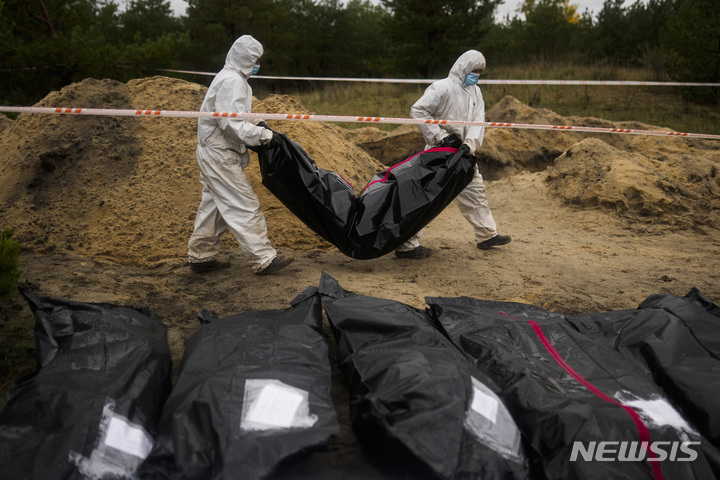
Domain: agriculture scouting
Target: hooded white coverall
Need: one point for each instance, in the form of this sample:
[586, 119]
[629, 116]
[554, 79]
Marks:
[228, 200]
[451, 99]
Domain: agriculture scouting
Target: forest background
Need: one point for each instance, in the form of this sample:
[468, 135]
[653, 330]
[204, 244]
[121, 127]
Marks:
[48, 44]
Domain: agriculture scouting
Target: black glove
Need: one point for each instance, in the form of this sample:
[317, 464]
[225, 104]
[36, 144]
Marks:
[464, 149]
[452, 141]
[263, 124]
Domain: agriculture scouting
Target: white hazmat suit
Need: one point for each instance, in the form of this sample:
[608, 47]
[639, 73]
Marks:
[451, 99]
[228, 200]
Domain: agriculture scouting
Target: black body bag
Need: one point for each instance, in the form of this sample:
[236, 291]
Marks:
[253, 391]
[677, 340]
[589, 412]
[92, 408]
[394, 206]
[416, 403]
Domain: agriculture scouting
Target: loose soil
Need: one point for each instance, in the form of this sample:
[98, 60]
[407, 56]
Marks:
[104, 207]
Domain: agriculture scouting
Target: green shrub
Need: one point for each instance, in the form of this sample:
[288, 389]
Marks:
[9, 264]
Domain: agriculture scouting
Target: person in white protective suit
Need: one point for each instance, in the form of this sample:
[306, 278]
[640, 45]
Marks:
[458, 97]
[228, 200]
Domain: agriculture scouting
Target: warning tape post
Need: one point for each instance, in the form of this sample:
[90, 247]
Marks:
[114, 112]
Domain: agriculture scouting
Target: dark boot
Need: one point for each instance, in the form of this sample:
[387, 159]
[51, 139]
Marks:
[496, 241]
[278, 263]
[416, 253]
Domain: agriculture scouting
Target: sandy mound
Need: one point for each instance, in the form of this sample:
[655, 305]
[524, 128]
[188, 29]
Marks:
[672, 191]
[507, 151]
[5, 122]
[127, 189]
[649, 179]
[388, 147]
[71, 183]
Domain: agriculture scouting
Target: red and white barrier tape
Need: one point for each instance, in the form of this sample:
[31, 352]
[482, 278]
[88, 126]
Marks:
[114, 112]
[484, 82]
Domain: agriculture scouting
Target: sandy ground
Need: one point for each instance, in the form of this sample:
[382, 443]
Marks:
[104, 208]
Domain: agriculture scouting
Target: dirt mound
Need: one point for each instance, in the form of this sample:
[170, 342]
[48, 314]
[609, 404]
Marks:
[388, 147]
[66, 183]
[5, 123]
[127, 188]
[671, 191]
[508, 151]
[649, 179]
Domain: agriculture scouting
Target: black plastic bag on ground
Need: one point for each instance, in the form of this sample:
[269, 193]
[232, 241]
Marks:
[395, 205]
[253, 391]
[677, 339]
[416, 402]
[589, 412]
[91, 409]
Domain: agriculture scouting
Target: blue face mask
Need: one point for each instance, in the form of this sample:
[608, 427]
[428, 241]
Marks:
[256, 68]
[471, 79]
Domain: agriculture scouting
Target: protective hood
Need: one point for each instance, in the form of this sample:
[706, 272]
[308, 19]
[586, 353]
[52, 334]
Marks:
[466, 63]
[243, 54]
